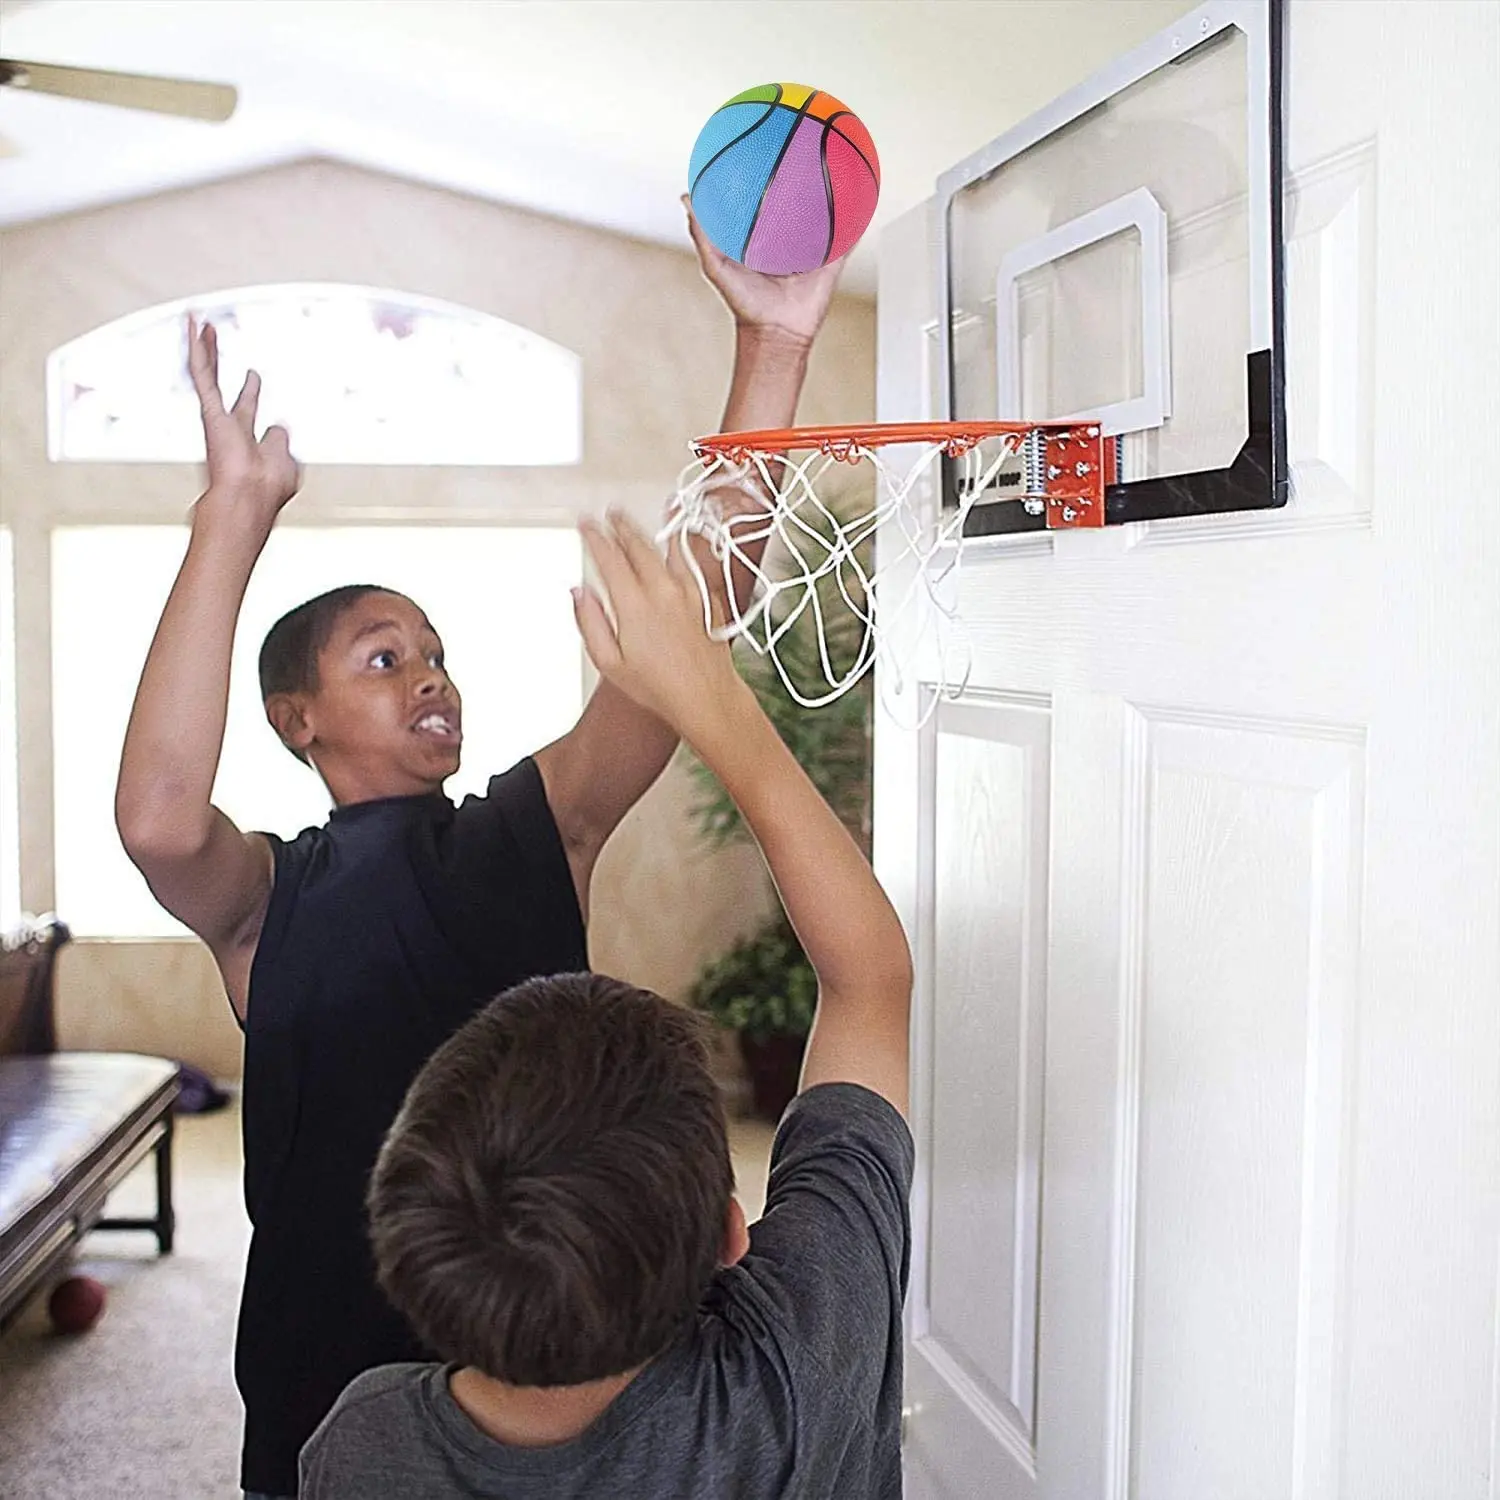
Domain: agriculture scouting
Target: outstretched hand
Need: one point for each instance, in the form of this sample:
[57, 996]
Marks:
[256, 477]
[792, 306]
[657, 648]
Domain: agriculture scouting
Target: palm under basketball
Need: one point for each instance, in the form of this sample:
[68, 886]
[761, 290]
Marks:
[784, 178]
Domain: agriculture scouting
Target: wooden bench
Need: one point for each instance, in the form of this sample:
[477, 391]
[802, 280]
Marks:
[72, 1126]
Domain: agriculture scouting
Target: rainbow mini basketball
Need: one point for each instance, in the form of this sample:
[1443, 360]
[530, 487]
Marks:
[784, 179]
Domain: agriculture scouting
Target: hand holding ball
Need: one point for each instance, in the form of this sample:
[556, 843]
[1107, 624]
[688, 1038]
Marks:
[784, 179]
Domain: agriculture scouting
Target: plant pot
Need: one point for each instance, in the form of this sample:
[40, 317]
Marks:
[774, 1065]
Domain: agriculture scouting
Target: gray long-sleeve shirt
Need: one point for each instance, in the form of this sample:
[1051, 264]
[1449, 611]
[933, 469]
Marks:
[787, 1387]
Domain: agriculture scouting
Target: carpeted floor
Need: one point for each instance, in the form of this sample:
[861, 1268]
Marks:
[144, 1407]
[144, 1404]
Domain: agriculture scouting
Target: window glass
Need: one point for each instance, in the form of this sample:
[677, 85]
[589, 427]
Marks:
[498, 597]
[358, 376]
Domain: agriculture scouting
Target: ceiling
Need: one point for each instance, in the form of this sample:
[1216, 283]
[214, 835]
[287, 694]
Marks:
[586, 109]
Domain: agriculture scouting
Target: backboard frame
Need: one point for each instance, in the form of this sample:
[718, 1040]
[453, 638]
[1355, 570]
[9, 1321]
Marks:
[1258, 478]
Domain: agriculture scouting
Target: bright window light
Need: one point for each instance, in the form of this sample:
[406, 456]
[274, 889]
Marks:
[356, 375]
[10, 806]
[497, 596]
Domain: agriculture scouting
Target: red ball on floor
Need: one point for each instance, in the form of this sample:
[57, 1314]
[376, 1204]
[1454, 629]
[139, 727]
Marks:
[76, 1304]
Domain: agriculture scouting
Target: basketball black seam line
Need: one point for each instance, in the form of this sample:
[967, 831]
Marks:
[827, 187]
[830, 123]
[868, 165]
[776, 165]
[749, 130]
[828, 128]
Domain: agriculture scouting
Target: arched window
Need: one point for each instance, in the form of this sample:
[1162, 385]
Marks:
[358, 376]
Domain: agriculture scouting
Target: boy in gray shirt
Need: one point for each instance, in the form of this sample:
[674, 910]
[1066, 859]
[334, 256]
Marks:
[553, 1212]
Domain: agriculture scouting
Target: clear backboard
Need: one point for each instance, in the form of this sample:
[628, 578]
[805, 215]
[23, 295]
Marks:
[1117, 257]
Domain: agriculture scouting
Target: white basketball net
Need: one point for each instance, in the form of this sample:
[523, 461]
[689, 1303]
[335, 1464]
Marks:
[915, 583]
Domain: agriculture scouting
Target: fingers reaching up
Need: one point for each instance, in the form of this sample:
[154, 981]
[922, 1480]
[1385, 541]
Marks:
[598, 631]
[203, 366]
[248, 477]
[247, 403]
[656, 647]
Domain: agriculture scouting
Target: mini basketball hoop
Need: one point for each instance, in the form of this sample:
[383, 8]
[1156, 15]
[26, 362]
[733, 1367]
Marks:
[1058, 470]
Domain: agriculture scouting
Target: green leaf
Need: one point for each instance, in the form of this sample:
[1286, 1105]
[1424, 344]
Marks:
[764, 985]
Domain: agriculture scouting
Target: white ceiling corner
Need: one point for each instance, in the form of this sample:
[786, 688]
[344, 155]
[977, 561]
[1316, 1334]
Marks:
[586, 109]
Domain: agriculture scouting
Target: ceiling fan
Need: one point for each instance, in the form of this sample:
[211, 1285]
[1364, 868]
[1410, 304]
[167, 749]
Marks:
[164, 96]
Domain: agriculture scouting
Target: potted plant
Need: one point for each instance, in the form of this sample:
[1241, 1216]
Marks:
[763, 988]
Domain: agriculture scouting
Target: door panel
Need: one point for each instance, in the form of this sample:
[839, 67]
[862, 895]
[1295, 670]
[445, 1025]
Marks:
[1267, 1160]
[985, 769]
[1231, 1071]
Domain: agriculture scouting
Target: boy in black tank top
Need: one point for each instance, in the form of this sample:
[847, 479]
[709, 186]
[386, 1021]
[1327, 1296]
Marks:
[351, 953]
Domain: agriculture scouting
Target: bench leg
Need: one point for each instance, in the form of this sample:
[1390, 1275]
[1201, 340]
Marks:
[164, 1224]
[166, 1219]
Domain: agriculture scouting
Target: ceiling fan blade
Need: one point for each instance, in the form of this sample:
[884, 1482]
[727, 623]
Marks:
[163, 96]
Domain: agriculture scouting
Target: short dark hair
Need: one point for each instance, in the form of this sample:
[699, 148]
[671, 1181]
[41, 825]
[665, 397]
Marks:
[289, 653]
[550, 1205]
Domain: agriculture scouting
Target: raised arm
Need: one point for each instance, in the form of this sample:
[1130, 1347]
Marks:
[200, 867]
[597, 772]
[657, 652]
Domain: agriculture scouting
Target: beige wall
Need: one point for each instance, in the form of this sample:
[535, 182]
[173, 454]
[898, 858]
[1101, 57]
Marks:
[655, 345]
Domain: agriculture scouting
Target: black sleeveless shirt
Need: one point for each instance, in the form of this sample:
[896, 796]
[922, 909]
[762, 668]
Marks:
[386, 930]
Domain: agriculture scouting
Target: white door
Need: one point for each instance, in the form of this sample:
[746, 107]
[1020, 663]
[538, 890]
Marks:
[1204, 876]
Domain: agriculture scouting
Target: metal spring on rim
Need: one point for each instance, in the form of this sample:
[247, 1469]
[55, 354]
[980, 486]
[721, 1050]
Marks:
[1034, 455]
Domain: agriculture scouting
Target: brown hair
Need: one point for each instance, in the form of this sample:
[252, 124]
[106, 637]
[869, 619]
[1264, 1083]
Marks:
[550, 1204]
